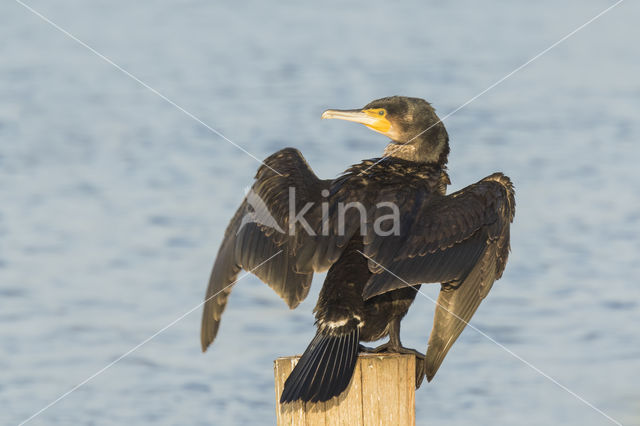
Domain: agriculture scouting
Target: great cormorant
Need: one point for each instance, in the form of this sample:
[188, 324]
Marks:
[376, 263]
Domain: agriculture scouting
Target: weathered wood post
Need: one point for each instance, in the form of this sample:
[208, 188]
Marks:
[381, 392]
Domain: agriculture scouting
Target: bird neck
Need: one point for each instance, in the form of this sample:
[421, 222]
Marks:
[430, 146]
[434, 152]
[402, 151]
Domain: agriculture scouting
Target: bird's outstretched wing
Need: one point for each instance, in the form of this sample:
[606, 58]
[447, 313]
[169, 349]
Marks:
[460, 240]
[259, 239]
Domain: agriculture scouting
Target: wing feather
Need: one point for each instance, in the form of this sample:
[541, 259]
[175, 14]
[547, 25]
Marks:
[457, 302]
[460, 240]
[444, 239]
[260, 231]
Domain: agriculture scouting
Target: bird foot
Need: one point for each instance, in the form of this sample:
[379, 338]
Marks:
[389, 348]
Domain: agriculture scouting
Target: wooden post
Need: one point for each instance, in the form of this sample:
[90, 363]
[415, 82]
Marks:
[381, 392]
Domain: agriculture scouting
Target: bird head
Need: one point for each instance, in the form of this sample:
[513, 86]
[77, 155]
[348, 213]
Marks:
[416, 132]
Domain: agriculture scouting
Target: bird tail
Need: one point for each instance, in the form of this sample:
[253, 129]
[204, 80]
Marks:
[325, 368]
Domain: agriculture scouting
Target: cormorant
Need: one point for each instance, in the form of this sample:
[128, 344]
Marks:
[382, 229]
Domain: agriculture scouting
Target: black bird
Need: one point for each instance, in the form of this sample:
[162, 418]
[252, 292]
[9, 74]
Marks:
[382, 228]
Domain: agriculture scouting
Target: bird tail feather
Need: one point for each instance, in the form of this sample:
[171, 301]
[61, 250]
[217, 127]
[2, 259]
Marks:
[325, 368]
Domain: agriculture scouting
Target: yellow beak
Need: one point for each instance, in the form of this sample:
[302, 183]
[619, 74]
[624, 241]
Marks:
[369, 117]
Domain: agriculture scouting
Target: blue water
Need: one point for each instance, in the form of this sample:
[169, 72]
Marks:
[113, 202]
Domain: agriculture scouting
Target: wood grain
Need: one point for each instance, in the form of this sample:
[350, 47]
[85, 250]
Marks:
[381, 392]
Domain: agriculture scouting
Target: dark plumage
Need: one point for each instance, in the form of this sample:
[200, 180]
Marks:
[460, 240]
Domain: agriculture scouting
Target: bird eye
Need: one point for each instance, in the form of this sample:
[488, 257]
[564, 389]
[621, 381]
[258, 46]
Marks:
[381, 112]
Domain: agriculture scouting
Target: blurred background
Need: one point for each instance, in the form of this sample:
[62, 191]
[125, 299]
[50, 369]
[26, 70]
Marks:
[113, 202]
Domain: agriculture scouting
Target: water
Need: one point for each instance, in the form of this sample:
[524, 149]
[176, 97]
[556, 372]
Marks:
[113, 202]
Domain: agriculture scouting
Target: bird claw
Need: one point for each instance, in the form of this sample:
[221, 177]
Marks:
[365, 349]
[389, 348]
